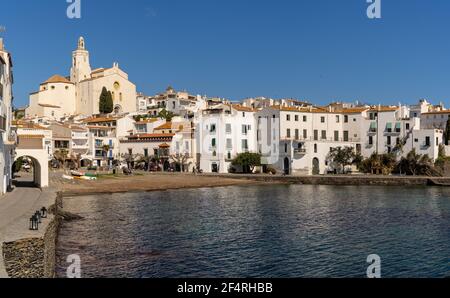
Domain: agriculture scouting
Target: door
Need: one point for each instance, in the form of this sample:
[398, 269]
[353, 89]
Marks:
[316, 167]
[287, 166]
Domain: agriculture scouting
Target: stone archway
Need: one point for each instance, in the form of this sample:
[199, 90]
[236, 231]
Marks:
[316, 166]
[40, 163]
[287, 166]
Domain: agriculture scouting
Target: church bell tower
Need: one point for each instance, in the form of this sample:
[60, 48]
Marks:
[81, 69]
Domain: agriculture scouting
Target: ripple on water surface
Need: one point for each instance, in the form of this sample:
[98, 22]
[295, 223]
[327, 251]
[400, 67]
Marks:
[260, 231]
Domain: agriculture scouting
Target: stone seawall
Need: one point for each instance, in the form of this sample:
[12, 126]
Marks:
[34, 257]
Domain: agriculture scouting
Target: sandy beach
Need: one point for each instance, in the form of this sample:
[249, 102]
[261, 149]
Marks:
[148, 182]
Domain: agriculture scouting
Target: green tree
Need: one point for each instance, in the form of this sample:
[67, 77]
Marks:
[378, 164]
[342, 157]
[105, 150]
[164, 114]
[106, 104]
[248, 161]
[109, 106]
[447, 133]
[18, 165]
[416, 164]
[103, 99]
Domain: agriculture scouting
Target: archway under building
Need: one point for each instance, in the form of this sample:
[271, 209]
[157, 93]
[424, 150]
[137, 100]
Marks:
[30, 169]
[316, 166]
[287, 166]
[85, 163]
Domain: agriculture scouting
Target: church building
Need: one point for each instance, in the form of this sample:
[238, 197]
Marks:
[79, 94]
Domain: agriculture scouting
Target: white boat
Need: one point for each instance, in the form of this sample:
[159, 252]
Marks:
[67, 177]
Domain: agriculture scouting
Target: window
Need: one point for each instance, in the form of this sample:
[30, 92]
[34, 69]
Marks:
[244, 145]
[212, 128]
[407, 126]
[322, 119]
[288, 117]
[389, 127]
[315, 148]
[337, 119]
[305, 134]
[285, 148]
[427, 141]
[229, 144]
[296, 118]
[186, 146]
[297, 134]
[145, 152]
[336, 136]
[243, 114]
[213, 142]
[345, 135]
[388, 141]
[288, 133]
[316, 135]
[228, 128]
[324, 135]
[305, 119]
[130, 151]
[370, 140]
[345, 118]
[244, 129]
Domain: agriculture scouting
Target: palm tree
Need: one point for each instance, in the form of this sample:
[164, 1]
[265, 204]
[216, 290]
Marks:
[61, 156]
[105, 150]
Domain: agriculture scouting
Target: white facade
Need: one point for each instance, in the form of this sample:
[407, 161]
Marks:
[7, 134]
[222, 133]
[60, 97]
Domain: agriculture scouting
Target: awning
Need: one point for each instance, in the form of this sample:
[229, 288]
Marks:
[398, 125]
[373, 125]
[389, 126]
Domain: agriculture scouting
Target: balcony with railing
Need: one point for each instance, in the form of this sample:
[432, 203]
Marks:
[300, 151]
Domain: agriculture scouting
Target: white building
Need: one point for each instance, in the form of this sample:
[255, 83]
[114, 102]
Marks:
[60, 97]
[223, 131]
[7, 133]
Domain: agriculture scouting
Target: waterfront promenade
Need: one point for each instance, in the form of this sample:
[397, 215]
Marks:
[16, 208]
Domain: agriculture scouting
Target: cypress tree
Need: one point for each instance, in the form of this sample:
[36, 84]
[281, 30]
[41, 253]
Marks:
[109, 104]
[447, 133]
[103, 99]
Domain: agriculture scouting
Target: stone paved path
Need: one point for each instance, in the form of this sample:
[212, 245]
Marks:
[16, 208]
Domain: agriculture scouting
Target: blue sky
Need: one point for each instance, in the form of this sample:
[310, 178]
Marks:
[317, 50]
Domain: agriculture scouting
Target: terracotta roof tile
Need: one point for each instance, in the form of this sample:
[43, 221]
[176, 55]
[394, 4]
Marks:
[57, 79]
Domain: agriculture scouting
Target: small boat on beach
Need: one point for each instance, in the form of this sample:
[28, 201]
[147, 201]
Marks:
[76, 174]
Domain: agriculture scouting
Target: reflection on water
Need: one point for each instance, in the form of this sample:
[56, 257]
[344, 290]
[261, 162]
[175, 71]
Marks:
[260, 231]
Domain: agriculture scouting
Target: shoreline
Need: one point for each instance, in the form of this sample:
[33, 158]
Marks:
[151, 182]
[35, 256]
